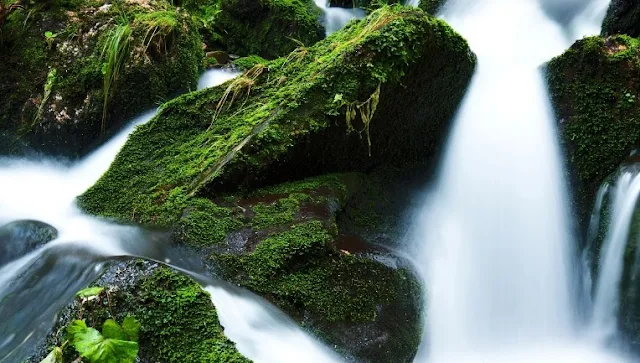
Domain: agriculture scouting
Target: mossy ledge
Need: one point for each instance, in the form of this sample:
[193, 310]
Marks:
[285, 120]
[594, 88]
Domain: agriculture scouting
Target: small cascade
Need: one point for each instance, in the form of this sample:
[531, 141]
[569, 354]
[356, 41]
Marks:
[41, 278]
[620, 207]
[335, 18]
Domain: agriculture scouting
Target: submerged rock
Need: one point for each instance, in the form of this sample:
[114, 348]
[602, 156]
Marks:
[623, 17]
[58, 61]
[268, 28]
[594, 89]
[21, 237]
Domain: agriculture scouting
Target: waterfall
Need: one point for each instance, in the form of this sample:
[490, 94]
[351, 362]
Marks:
[623, 197]
[493, 240]
[334, 18]
[35, 286]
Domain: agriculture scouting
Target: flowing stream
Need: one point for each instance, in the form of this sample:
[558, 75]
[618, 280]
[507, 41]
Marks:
[492, 242]
[335, 17]
[617, 200]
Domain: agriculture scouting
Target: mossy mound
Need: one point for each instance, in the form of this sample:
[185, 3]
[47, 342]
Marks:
[268, 28]
[285, 120]
[623, 17]
[283, 243]
[178, 322]
[594, 88]
[57, 64]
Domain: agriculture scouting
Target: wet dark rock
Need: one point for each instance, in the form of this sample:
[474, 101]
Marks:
[21, 237]
[623, 17]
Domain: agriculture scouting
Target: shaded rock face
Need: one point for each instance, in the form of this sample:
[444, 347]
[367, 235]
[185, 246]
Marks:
[594, 89]
[56, 68]
[623, 17]
[268, 28]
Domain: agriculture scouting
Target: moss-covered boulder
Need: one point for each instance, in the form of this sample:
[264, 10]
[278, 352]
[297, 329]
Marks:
[623, 17]
[594, 87]
[379, 92]
[398, 75]
[178, 322]
[60, 58]
[268, 28]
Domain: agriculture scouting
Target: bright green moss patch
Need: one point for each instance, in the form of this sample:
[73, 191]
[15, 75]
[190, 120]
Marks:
[286, 116]
[179, 322]
[595, 92]
[203, 223]
[269, 28]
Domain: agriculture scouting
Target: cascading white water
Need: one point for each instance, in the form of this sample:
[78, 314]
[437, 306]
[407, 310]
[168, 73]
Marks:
[494, 237]
[335, 17]
[45, 190]
[623, 197]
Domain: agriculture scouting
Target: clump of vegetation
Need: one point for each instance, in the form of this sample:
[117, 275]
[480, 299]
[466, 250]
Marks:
[112, 63]
[114, 54]
[117, 343]
[269, 28]
[178, 321]
[595, 96]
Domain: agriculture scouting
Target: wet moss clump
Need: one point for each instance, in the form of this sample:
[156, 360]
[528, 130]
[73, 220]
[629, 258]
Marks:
[60, 61]
[285, 120]
[268, 28]
[594, 88]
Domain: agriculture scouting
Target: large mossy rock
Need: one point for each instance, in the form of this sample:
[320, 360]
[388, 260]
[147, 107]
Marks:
[57, 62]
[202, 164]
[286, 120]
[594, 87]
[623, 17]
[268, 28]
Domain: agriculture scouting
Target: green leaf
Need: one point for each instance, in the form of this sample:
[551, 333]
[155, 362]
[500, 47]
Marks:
[131, 328]
[93, 346]
[111, 330]
[76, 327]
[89, 292]
[110, 351]
[49, 34]
[54, 357]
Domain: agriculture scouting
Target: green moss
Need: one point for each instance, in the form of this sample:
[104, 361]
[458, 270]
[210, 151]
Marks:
[431, 6]
[269, 28]
[595, 94]
[298, 270]
[164, 58]
[246, 63]
[196, 146]
[178, 321]
[204, 224]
